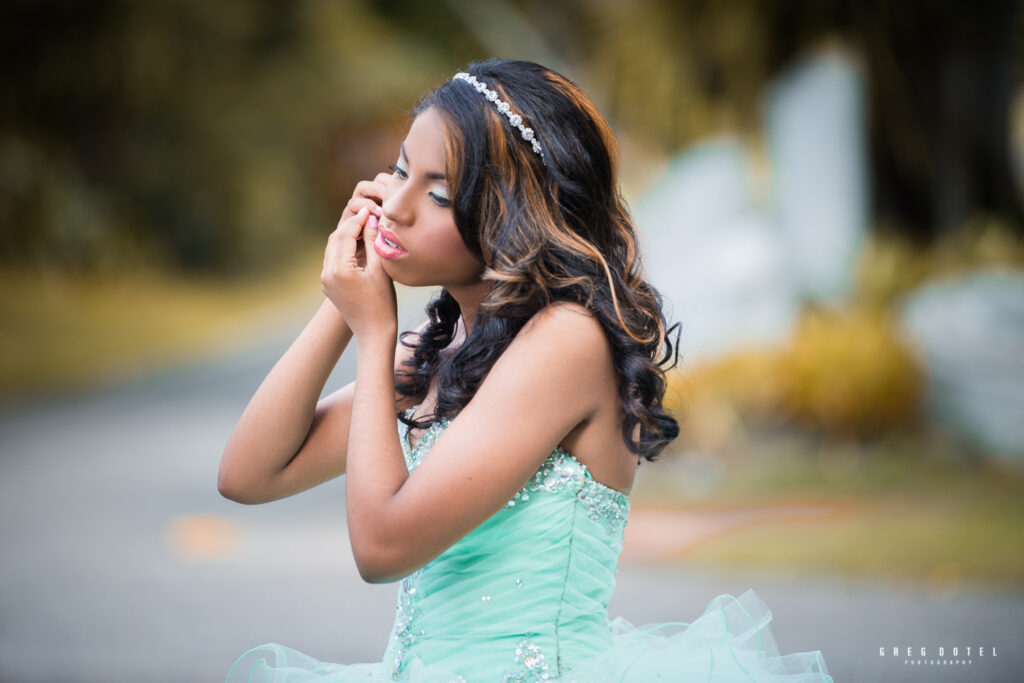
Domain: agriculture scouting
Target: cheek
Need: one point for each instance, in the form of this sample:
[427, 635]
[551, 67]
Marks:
[451, 243]
[458, 253]
[444, 240]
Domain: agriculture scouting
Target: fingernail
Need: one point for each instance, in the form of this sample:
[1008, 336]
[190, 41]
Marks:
[377, 210]
[373, 222]
[362, 212]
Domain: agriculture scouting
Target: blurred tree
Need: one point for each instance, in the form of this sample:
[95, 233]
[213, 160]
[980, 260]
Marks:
[216, 135]
[206, 135]
[943, 75]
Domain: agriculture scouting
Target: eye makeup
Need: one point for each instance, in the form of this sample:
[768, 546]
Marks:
[438, 193]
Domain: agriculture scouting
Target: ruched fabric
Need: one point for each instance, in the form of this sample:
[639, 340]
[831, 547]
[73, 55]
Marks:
[524, 597]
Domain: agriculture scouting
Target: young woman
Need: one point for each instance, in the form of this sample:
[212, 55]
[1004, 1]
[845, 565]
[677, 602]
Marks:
[523, 405]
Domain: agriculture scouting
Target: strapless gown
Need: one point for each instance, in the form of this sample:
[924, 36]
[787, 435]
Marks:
[524, 597]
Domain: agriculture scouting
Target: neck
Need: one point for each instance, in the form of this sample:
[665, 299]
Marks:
[469, 299]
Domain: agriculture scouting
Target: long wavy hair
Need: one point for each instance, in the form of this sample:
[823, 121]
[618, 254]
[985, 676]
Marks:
[546, 230]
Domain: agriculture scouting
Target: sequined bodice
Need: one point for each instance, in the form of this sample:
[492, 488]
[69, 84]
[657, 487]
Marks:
[523, 596]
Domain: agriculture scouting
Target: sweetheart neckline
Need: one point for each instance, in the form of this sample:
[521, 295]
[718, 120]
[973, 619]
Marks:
[586, 470]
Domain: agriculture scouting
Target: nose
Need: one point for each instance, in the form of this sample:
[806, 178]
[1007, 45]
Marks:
[397, 207]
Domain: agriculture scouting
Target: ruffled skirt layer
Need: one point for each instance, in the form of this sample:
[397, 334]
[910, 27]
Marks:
[730, 641]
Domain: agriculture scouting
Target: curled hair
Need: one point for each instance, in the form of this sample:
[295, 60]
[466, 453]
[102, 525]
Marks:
[546, 230]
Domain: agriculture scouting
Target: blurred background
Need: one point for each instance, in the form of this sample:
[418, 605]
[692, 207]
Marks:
[830, 195]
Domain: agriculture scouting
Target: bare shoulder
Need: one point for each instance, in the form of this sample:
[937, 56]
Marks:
[564, 310]
[570, 323]
[581, 356]
[564, 348]
[567, 334]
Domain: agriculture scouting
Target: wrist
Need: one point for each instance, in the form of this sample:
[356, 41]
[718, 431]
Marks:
[331, 318]
[380, 337]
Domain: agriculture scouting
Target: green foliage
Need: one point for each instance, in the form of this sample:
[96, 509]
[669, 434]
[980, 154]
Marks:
[850, 373]
[844, 373]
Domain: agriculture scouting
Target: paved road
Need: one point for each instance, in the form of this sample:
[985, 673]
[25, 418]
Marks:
[121, 562]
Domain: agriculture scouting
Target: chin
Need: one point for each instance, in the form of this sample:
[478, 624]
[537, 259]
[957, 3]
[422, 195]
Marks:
[398, 276]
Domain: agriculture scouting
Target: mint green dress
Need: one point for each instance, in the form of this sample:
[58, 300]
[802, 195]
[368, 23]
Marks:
[524, 597]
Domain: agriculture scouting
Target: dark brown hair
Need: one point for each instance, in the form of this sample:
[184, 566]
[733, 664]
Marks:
[546, 230]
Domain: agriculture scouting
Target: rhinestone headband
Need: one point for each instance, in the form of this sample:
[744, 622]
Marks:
[504, 108]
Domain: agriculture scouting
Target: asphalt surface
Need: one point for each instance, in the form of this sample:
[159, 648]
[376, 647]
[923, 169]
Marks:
[121, 562]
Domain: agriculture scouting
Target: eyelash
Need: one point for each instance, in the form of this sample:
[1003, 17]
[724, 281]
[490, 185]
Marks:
[400, 172]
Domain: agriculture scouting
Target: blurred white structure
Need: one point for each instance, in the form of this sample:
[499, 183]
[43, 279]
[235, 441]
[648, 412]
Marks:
[970, 334]
[715, 255]
[735, 268]
[817, 135]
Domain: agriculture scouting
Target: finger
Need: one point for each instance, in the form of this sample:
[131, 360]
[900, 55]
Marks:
[370, 189]
[356, 203]
[364, 188]
[349, 238]
[331, 250]
[373, 260]
[353, 227]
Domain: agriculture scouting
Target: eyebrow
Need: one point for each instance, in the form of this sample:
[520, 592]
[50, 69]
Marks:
[433, 175]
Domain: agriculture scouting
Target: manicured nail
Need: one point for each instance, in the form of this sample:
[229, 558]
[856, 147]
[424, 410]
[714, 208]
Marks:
[373, 223]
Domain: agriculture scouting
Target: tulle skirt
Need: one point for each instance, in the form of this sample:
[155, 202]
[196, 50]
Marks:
[730, 641]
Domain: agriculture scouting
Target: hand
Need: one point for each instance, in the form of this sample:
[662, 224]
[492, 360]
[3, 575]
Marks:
[368, 193]
[353, 276]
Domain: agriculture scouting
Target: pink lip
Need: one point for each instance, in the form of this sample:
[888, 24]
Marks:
[390, 235]
[385, 250]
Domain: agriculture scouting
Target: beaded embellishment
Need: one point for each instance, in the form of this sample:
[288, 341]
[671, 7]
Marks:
[559, 472]
[531, 664]
[405, 616]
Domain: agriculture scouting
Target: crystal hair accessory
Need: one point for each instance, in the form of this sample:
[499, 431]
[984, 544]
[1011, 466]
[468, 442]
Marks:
[504, 108]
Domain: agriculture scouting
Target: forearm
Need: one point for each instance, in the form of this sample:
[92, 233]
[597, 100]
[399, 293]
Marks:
[376, 468]
[277, 420]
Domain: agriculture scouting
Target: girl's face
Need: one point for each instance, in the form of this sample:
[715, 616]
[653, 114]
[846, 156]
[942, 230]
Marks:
[417, 215]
